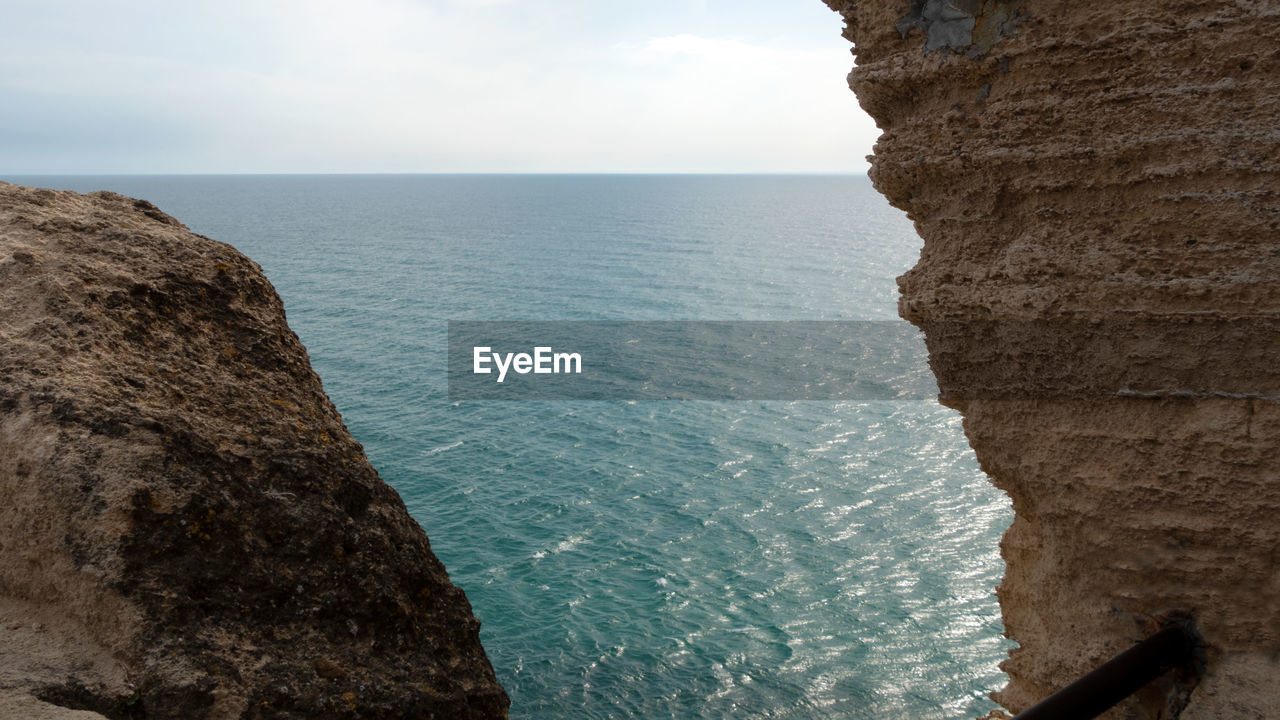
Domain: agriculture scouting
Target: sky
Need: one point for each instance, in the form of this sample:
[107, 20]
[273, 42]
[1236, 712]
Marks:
[425, 86]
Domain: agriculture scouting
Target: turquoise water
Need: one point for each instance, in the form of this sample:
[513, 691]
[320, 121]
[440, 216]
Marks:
[643, 559]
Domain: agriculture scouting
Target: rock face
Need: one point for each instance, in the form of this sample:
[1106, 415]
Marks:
[1097, 189]
[189, 531]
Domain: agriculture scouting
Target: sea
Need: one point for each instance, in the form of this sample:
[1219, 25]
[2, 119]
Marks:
[642, 558]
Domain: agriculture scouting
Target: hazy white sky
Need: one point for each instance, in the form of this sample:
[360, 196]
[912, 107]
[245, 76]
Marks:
[427, 86]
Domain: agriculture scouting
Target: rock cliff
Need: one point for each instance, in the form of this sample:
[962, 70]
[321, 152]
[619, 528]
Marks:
[1096, 185]
[189, 531]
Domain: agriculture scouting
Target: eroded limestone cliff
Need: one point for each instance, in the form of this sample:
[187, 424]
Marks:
[1098, 192]
[188, 529]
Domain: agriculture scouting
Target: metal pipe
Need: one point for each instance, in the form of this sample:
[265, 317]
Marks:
[1172, 647]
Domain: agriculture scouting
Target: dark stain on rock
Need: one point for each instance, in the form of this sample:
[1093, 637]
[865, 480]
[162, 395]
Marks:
[965, 27]
[74, 695]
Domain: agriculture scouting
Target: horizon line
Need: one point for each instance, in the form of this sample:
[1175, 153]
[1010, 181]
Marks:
[840, 173]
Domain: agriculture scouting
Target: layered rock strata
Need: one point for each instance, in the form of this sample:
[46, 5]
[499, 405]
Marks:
[1096, 185]
[189, 530]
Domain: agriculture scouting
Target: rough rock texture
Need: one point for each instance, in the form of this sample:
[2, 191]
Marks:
[1097, 189]
[189, 531]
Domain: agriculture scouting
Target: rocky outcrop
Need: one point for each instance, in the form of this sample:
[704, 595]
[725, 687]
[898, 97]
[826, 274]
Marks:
[189, 531]
[1096, 185]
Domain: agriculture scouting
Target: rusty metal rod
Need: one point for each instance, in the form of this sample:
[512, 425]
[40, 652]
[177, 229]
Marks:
[1172, 647]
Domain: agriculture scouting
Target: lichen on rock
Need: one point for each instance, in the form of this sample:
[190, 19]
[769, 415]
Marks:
[191, 531]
